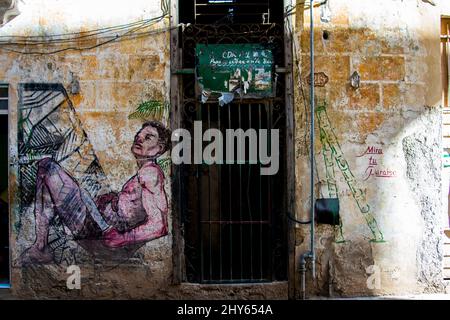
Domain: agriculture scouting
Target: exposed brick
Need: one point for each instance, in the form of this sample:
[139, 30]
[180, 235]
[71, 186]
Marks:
[364, 42]
[337, 42]
[337, 68]
[407, 95]
[118, 95]
[391, 96]
[89, 68]
[393, 68]
[87, 97]
[145, 67]
[382, 68]
[367, 97]
[392, 46]
[113, 66]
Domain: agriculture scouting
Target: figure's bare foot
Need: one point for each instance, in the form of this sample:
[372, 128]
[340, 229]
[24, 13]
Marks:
[34, 255]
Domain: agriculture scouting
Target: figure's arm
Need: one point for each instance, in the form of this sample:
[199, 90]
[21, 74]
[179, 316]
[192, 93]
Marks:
[154, 201]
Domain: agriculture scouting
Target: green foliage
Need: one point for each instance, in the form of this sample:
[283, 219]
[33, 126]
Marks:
[151, 109]
[165, 163]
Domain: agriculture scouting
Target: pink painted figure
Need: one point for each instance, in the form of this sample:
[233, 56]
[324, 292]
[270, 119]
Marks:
[135, 215]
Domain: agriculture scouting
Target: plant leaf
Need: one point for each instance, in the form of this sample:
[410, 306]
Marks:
[149, 109]
[165, 164]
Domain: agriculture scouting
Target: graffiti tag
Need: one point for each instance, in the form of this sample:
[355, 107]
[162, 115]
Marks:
[372, 169]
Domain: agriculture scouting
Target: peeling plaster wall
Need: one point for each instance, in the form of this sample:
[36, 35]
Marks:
[393, 44]
[114, 79]
[395, 115]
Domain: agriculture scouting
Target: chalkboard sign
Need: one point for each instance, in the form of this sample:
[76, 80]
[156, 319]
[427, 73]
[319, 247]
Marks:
[244, 70]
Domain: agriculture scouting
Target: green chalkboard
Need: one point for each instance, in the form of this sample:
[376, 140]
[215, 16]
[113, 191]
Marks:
[243, 69]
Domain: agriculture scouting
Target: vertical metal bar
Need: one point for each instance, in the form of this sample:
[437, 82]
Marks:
[8, 186]
[195, 11]
[240, 199]
[220, 200]
[260, 205]
[230, 203]
[269, 196]
[289, 200]
[445, 49]
[312, 138]
[199, 168]
[209, 201]
[177, 103]
[248, 197]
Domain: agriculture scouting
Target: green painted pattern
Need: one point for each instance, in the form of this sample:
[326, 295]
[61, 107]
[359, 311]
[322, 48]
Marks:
[333, 155]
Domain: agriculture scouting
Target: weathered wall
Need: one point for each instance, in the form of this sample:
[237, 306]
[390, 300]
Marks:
[79, 107]
[113, 80]
[382, 146]
[381, 143]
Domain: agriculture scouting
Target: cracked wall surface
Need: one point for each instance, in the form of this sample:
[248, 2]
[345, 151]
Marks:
[378, 147]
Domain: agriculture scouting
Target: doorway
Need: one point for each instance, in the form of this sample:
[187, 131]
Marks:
[233, 218]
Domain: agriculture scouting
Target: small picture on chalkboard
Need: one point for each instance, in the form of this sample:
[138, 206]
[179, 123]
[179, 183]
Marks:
[226, 71]
[263, 79]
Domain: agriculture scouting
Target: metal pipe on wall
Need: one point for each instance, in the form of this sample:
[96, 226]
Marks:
[311, 254]
[312, 137]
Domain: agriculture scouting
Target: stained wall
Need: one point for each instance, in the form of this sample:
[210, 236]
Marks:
[378, 146]
[97, 90]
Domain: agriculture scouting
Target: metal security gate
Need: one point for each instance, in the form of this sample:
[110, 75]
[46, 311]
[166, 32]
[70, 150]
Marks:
[232, 216]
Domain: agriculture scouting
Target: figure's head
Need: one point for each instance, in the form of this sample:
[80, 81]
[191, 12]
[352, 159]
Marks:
[151, 141]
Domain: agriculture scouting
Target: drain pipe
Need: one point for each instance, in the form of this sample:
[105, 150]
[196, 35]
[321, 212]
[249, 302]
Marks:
[311, 254]
[312, 137]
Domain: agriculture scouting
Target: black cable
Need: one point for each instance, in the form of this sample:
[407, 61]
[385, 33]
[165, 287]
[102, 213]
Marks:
[290, 217]
[297, 221]
[83, 32]
[75, 39]
[165, 8]
[89, 37]
[116, 38]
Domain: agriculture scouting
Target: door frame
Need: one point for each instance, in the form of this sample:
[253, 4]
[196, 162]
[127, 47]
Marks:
[179, 272]
[10, 203]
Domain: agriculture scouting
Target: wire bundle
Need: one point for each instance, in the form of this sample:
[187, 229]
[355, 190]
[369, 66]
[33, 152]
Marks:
[79, 41]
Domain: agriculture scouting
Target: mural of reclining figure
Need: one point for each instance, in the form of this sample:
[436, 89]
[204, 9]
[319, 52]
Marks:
[135, 215]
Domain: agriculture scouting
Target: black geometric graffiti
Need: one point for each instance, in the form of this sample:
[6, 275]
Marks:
[64, 187]
[48, 127]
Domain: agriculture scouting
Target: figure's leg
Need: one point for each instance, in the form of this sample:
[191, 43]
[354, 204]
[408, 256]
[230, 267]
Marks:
[58, 193]
[71, 202]
[39, 251]
[43, 215]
